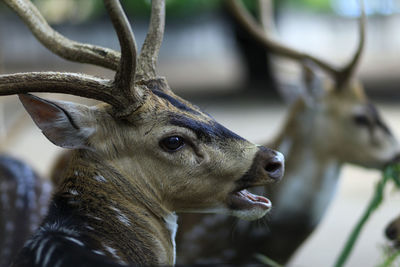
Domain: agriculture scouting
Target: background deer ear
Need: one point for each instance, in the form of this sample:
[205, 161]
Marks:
[65, 124]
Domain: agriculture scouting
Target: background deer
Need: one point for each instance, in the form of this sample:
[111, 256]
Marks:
[331, 123]
[24, 198]
[392, 232]
[139, 157]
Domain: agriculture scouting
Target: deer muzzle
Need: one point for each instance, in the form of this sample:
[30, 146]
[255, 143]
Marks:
[267, 167]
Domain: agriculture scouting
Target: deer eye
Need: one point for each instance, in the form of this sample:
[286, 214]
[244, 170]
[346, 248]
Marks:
[172, 143]
[361, 120]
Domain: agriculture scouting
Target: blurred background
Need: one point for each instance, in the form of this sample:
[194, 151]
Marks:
[210, 61]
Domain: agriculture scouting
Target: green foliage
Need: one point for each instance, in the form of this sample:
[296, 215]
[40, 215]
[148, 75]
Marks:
[267, 261]
[175, 8]
[391, 173]
[316, 5]
[391, 255]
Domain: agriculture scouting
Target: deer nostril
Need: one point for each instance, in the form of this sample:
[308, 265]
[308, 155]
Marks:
[274, 167]
[391, 232]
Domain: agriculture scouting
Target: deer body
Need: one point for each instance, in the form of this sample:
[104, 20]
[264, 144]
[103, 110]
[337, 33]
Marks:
[139, 157]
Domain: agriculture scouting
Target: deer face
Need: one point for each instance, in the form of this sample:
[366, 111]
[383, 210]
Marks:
[353, 130]
[190, 161]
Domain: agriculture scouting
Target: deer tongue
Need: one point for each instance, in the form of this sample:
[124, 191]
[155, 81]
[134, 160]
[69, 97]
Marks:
[245, 200]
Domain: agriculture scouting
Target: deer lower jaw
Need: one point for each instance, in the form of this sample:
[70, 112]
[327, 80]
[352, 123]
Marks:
[248, 206]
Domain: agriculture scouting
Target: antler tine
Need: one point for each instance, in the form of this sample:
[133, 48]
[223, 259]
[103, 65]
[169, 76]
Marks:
[56, 82]
[151, 46]
[256, 30]
[60, 45]
[126, 73]
[348, 71]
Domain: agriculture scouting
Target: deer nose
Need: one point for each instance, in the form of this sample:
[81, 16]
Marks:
[273, 163]
[391, 232]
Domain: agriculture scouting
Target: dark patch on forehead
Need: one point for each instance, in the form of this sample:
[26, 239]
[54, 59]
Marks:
[204, 130]
[376, 118]
[175, 102]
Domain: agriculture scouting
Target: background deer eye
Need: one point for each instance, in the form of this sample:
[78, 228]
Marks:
[361, 120]
[172, 143]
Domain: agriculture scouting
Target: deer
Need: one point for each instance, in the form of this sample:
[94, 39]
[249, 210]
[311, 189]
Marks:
[24, 197]
[392, 232]
[330, 122]
[140, 156]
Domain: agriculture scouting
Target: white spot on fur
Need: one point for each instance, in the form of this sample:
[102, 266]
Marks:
[94, 217]
[48, 255]
[113, 252]
[40, 249]
[73, 192]
[121, 216]
[76, 241]
[171, 224]
[98, 252]
[89, 227]
[100, 178]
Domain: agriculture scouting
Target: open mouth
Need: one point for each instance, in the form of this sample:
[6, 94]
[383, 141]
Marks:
[244, 200]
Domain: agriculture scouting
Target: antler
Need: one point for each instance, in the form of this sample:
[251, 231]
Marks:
[125, 76]
[60, 45]
[348, 71]
[121, 92]
[151, 46]
[341, 76]
[57, 82]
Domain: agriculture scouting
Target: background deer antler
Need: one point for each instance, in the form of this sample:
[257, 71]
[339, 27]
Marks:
[121, 93]
[340, 76]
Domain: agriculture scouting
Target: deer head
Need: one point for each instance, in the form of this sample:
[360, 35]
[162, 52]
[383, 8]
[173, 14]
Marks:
[158, 149]
[342, 121]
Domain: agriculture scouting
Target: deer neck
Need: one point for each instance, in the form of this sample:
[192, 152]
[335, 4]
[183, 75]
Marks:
[122, 219]
[311, 173]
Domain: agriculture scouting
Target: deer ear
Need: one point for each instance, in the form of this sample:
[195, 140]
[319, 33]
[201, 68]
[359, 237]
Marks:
[65, 124]
[312, 83]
